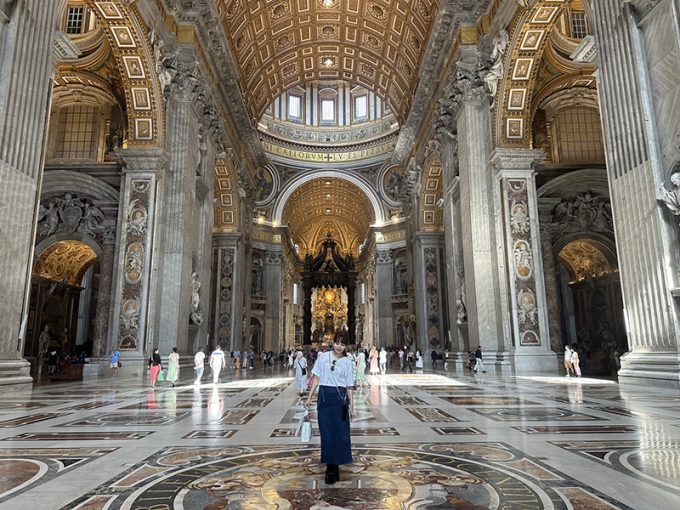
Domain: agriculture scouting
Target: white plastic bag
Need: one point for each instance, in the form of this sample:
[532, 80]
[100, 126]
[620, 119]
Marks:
[306, 434]
[304, 428]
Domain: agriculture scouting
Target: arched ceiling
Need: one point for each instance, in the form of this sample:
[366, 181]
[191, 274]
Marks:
[328, 204]
[282, 43]
[65, 261]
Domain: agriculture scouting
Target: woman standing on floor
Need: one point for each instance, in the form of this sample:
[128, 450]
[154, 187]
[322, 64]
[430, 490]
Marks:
[360, 377]
[154, 366]
[300, 366]
[575, 361]
[332, 374]
[373, 358]
[173, 366]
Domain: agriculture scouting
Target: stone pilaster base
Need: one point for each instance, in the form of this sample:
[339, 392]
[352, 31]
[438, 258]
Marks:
[499, 362]
[658, 369]
[542, 362]
[16, 373]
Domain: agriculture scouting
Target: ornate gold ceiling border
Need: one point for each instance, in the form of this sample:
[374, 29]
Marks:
[531, 34]
[226, 193]
[337, 156]
[131, 49]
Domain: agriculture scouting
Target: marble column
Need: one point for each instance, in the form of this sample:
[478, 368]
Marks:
[103, 310]
[26, 32]
[227, 325]
[638, 72]
[273, 279]
[180, 205]
[546, 207]
[138, 231]
[485, 288]
[522, 244]
[383, 297]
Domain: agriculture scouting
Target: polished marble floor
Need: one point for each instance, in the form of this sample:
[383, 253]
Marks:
[433, 440]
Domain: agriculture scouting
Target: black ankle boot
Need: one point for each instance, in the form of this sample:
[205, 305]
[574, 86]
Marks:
[332, 474]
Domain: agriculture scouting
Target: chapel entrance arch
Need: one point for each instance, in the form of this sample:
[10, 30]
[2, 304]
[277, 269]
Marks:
[592, 304]
[61, 307]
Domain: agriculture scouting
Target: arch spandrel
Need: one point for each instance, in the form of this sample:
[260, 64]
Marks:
[132, 51]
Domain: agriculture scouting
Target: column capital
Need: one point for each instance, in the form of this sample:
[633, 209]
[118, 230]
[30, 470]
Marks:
[515, 162]
[154, 161]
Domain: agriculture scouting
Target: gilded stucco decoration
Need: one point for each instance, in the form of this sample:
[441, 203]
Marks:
[328, 204]
[226, 194]
[137, 67]
[522, 62]
[587, 258]
[65, 261]
[284, 43]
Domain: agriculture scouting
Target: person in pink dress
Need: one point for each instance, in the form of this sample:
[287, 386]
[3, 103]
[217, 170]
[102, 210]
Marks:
[373, 359]
[154, 366]
[575, 361]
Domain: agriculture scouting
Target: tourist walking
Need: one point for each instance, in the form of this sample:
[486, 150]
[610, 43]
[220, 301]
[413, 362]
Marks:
[373, 359]
[360, 377]
[154, 366]
[332, 375]
[382, 360]
[479, 364]
[419, 360]
[567, 360]
[114, 361]
[173, 366]
[575, 361]
[199, 359]
[217, 363]
[300, 366]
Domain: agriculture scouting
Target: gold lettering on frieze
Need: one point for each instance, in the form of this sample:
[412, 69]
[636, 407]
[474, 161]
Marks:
[328, 157]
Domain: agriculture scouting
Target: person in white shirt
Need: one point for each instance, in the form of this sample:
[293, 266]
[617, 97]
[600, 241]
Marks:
[198, 365]
[334, 376]
[382, 357]
[217, 363]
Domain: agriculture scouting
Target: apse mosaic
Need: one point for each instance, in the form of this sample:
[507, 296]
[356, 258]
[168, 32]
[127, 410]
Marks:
[433, 476]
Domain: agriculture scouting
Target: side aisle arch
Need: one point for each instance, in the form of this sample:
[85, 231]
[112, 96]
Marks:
[529, 37]
[132, 51]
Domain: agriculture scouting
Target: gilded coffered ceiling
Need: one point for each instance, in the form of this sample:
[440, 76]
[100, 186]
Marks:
[377, 44]
[65, 261]
[587, 258]
[324, 205]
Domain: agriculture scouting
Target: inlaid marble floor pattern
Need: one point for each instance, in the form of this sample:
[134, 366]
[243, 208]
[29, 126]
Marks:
[433, 440]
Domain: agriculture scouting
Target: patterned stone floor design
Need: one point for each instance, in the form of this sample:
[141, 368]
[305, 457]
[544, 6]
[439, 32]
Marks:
[433, 440]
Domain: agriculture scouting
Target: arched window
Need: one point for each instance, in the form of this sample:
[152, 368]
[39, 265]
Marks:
[328, 99]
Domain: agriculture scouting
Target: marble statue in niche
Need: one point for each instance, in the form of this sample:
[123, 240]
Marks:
[461, 309]
[671, 197]
[196, 316]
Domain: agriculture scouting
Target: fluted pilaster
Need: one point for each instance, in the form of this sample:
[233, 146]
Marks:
[26, 32]
[639, 133]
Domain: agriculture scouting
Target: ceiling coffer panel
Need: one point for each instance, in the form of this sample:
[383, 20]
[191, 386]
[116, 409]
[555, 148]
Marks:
[267, 35]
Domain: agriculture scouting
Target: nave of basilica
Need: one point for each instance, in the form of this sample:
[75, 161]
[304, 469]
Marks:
[269, 175]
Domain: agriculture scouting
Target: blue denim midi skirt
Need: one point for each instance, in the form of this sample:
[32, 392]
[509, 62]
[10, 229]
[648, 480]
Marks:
[336, 447]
